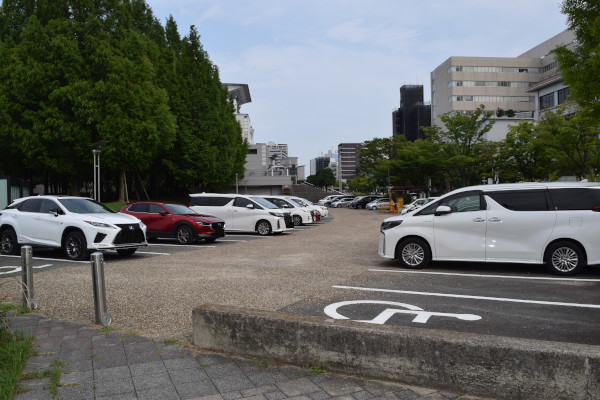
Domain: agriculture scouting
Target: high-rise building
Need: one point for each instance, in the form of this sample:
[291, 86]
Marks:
[319, 163]
[348, 160]
[511, 88]
[413, 113]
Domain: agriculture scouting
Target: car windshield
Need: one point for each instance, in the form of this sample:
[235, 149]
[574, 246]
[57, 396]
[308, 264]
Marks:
[263, 202]
[297, 202]
[179, 209]
[307, 202]
[84, 206]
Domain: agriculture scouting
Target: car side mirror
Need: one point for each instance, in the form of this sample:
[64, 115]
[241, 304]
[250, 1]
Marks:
[250, 206]
[56, 211]
[442, 210]
[163, 213]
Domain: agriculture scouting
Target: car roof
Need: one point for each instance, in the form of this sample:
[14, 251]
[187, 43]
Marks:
[528, 185]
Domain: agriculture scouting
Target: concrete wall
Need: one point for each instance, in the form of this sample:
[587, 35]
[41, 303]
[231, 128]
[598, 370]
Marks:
[476, 364]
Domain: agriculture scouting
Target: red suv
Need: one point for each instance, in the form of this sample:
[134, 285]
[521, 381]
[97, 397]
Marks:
[176, 220]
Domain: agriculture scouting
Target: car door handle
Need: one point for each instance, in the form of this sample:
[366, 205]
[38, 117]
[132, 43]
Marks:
[495, 219]
[479, 220]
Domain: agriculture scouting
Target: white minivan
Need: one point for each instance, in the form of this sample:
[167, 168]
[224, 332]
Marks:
[557, 224]
[243, 212]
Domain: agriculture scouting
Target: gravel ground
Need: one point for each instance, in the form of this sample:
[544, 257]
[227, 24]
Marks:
[154, 296]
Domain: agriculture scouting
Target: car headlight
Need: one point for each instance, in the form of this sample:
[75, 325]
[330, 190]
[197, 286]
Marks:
[385, 225]
[276, 214]
[202, 223]
[100, 224]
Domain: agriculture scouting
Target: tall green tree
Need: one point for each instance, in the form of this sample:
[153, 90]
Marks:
[523, 156]
[460, 140]
[580, 65]
[575, 142]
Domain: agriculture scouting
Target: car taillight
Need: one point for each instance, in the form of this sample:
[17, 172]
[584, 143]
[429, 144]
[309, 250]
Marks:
[596, 208]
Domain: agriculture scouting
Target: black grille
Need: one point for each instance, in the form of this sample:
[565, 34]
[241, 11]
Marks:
[289, 222]
[219, 228]
[130, 233]
[99, 237]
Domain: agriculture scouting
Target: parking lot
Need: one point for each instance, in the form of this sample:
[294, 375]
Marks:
[329, 269]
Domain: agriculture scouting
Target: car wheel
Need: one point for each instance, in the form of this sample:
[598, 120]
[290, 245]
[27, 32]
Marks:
[564, 258]
[413, 253]
[263, 228]
[75, 246]
[297, 220]
[184, 235]
[8, 242]
[126, 252]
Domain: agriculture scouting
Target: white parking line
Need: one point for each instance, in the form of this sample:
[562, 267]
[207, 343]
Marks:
[151, 252]
[51, 259]
[18, 269]
[460, 296]
[179, 245]
[230, 240]
[487, 276]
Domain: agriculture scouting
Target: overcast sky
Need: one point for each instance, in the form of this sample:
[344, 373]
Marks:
[323, 72]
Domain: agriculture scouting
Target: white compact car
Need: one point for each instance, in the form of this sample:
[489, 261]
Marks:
[557, 224]
[243, 212]
[416, 204]
[300, 215]
[77, 225]
[323, 210]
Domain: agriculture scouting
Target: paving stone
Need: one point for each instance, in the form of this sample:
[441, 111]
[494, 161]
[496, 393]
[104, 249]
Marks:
[232, 383]
[259, 390]
[378, 388]
[122, 396]
[193, 390]
[33, 395]
[212, 359]
[149, 381]
[406, 394]
[224, 371]
[188, 375]
[320, 395]
[114, 386]
[160, 393]
[109, 374]
[80, 378]
[362, 395]
[180, 363]
[297, 387]
[234, 395]
[147, 368]
[142, 358]
[75, 392]
[278, 395]
[336, 386]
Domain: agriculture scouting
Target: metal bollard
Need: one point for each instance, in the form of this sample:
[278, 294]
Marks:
[27, 283]
[102, 316]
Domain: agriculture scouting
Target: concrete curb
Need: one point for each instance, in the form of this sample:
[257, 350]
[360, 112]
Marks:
[477, 364]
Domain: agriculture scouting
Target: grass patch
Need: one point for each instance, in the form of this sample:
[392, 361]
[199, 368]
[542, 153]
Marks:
[14, 351]
[315, 369]
[11, 307]
[168, 342]
[106, 329]
[54, 373]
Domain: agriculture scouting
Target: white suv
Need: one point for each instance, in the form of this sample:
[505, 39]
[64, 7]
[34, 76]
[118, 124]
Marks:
[77, 225]
[553, 223]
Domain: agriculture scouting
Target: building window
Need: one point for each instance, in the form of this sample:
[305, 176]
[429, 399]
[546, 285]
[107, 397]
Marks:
[547, 101]
[563, 95]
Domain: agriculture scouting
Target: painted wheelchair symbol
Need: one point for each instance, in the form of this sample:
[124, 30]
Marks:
[421, 316]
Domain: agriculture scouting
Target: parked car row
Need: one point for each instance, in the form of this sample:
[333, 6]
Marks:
[80, 225]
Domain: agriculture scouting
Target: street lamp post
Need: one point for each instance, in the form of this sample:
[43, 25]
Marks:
[96, 149]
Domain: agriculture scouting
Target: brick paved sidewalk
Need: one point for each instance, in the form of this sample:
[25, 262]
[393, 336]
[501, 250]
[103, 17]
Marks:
[103, 366]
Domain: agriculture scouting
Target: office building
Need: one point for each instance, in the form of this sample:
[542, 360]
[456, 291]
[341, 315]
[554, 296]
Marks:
[511, 88]
[348, 160]
[413, 114]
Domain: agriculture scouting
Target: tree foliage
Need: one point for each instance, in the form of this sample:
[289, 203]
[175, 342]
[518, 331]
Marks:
[580, 65]
[73, 72]
[322, 178]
